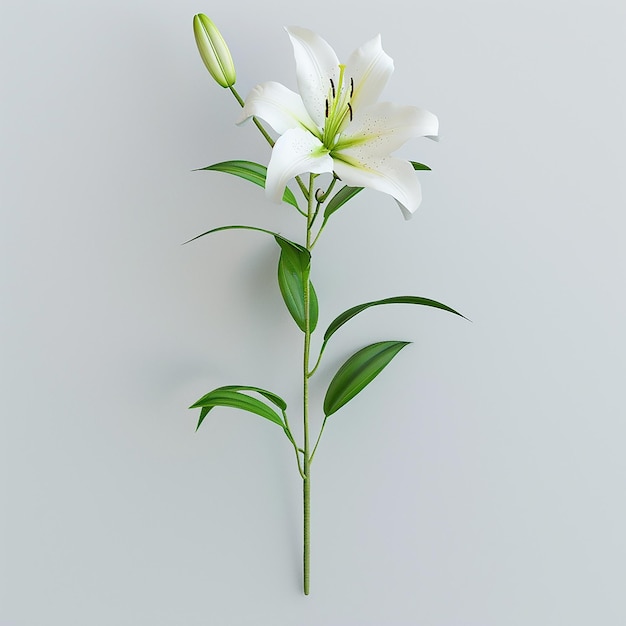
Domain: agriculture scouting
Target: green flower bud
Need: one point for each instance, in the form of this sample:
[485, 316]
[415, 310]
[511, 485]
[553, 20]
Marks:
[214, 51]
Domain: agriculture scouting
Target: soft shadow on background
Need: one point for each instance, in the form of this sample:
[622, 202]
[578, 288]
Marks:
[478, 481]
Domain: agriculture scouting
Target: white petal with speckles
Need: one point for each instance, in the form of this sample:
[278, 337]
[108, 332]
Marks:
[383, 127]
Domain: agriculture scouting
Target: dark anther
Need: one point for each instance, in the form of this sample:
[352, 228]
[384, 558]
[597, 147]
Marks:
[350, 111]
[351, 86]
[332, 85]
[326, 107]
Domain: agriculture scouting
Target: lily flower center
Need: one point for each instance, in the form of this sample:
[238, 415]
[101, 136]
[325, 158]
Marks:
[338, 108]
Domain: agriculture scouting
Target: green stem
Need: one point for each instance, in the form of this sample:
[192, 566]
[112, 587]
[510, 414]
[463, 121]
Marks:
[237, 96]
[306, 487]
[321, 199]
[319, 232]
[306, 491]
[318, 440]
[293, 443]
[319, 358]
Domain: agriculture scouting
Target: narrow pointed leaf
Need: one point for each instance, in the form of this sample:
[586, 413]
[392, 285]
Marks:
[279, 238]
[358, 371]
[253, 172]
[340, 198]
[340, 320]
[272, 397]
[229, 397]
[419, 166]
[293, 271]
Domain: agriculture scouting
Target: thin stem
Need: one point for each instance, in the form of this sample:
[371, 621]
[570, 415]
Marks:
[322, 198]
[325, 195]
[296, 449]
[319, 358]
[303, 189]
[254, 119]
[318, 440]
[317, 208]
[306, 487]
[237, 96]
[319, 233]
[293, 443]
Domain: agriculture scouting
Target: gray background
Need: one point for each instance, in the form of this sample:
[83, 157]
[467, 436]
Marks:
[478, 482]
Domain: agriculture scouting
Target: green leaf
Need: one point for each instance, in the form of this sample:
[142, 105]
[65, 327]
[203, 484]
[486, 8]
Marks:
[419, 166]
[339, 199]
[358, 371]
[340, 320]
[313, 308]
[230, 396]
[279, 238]
[272, 397]
[254, 172]
[293, 271]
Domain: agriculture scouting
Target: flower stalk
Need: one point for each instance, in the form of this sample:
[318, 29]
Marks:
[306, 486]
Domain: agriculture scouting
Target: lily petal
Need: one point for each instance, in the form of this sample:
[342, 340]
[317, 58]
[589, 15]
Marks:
[387, 174]
[316, 65]
[370, 67]
[296, 151]
[383, 127]
[280, 107]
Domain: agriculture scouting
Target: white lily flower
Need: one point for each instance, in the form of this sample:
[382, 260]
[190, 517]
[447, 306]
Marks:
[335, 124]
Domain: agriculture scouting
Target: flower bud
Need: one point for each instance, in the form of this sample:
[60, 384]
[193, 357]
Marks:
[214, 51]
